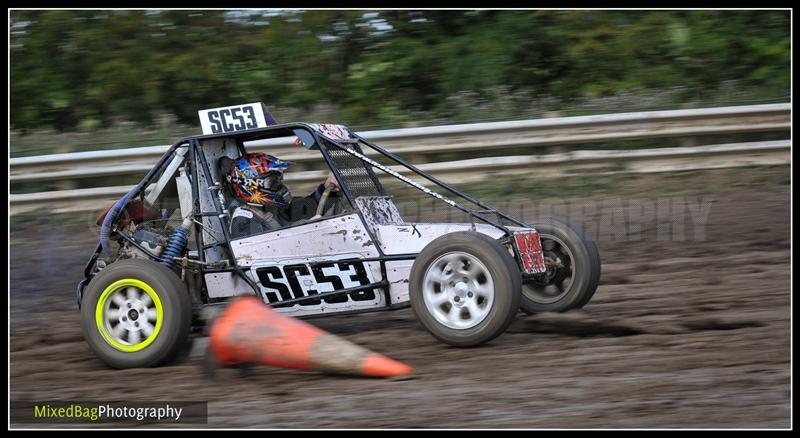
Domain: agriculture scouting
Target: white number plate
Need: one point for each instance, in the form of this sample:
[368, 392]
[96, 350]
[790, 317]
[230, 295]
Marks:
[234, 118]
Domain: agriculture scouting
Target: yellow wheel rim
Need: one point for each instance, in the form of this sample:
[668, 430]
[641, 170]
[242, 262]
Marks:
[129, 315]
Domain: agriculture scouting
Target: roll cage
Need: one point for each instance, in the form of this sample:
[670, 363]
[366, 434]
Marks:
[350, 166]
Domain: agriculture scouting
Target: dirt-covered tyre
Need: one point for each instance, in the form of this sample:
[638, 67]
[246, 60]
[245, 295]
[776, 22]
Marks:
[573, 269]
[465, 288]
[136, 313]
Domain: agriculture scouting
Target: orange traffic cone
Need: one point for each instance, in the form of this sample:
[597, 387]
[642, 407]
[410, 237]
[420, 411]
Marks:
[249, 332]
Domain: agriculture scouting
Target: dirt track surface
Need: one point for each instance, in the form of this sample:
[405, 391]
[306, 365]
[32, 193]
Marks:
[681, 334]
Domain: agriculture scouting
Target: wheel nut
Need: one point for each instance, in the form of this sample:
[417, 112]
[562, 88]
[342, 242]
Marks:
[456, 299]
[124, 318]
[469, 294]
[129, 305]
[136, 323]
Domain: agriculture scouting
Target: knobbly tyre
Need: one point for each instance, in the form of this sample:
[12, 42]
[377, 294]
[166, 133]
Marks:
[166, 251]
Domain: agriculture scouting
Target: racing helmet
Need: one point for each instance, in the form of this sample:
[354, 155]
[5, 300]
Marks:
[257, 178]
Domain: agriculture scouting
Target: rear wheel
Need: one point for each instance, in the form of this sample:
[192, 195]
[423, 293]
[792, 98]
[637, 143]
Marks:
[465, 288]
[136, 313]
[573, 269]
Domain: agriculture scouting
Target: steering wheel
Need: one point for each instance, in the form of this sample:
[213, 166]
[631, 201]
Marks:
[322, 200]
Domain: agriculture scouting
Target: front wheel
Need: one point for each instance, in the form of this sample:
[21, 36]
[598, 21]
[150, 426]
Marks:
[464, 288]
[573, 269]
[136, 313]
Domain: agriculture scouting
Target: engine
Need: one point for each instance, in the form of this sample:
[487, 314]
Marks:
[149, 240]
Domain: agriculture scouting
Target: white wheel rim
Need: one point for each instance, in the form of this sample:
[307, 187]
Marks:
[458, 290]
[130, 315]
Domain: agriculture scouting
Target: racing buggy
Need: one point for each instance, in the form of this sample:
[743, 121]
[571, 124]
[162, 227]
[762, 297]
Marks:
[166, 252]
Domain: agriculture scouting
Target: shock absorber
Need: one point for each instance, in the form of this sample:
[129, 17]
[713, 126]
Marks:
[176, 244]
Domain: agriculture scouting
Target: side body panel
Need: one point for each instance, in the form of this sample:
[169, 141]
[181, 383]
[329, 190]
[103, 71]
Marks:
[329, 237]
[412, 238]
[280, 262]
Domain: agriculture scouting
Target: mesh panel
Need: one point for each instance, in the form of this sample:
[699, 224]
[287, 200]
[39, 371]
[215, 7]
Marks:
[358, 175]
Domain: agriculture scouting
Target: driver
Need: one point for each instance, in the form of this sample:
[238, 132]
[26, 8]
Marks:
[260, 200]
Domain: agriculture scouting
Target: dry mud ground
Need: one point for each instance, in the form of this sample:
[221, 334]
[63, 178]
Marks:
[690, 328]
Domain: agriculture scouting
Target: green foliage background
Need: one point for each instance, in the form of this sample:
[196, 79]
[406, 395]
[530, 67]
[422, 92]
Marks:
[83, 70]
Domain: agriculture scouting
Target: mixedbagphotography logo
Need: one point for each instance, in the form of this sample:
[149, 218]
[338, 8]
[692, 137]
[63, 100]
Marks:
[74, 411]
[84, 412]
[613, 219]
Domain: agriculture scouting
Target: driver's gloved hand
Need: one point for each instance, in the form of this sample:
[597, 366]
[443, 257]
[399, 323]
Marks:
[301, 208]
